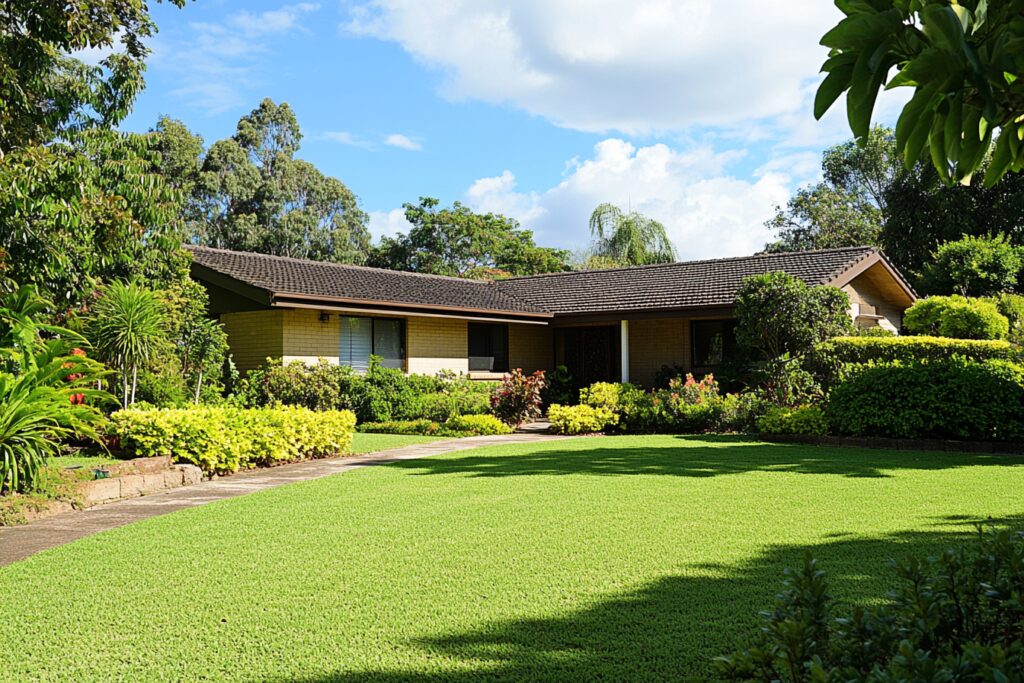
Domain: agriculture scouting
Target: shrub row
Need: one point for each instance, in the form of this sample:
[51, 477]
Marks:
[224, 439]
[458, 425]
[688, 406]
[380, 395]
[831, 359]
[948, 398]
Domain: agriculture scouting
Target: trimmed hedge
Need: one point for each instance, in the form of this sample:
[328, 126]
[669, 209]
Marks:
[480, 425]
[829, 360]
[224, 439]
[806, 420]
[951, 398]
[581, 419]
[456, 426]
[956, 316]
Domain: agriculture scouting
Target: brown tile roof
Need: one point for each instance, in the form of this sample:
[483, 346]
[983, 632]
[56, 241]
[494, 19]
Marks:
[667, 286]
[282, 276]
[674, 285]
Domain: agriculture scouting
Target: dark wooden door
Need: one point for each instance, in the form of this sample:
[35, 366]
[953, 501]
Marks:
[590, 354]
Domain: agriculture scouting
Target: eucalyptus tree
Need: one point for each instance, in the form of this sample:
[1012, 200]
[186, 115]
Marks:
[629, 238]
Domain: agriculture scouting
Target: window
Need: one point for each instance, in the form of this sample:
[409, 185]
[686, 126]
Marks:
[488, 347]
[363, 337]
[714, 341]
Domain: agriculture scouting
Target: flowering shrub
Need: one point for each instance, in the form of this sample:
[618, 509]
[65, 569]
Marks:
[518, 397]
[691, 405]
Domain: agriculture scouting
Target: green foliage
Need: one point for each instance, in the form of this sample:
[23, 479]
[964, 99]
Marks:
[581, 419]
[126, 326]
[199, 344]
[421, 427]
[875, 331]
[225, 439]
[957, 317]
[458, 242]
[629, 239]
[44, 91]
[80, 213]
[47, 390]
[809, 420]
[974, 266]
[250, 192]
[560, 387]
[848, 207]
[1012, 307]
[479, 425]
[962, 62]
[952, 617]
[603, 395]
[518, 398]
[953, 398]
[832, 358]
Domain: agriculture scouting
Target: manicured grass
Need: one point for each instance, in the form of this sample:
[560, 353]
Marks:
[81, 461]
[370, 443]
[595, 558]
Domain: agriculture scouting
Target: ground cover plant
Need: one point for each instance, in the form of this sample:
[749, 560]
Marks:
[613, 558]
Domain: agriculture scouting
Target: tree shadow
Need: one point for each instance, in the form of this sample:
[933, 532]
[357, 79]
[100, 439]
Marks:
[687, 456]
[669, 629]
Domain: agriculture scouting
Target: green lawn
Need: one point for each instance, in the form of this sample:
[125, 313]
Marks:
[368, 443]
[615, 558]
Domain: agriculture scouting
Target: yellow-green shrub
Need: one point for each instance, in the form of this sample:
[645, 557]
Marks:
[225, 439]
[809, 420]
[581, 419]
[481, 425]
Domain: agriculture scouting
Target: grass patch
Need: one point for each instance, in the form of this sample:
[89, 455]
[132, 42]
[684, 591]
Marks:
[606, 558]
[81, 461]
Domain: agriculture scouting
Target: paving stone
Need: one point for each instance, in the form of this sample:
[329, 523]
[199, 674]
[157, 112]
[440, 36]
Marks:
[100, 490]
[131, 485]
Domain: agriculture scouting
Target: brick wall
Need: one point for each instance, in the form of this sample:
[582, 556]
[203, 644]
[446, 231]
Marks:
[307, 339]
[530, 347]
[435, 344]
[657, 342]
[254, 336]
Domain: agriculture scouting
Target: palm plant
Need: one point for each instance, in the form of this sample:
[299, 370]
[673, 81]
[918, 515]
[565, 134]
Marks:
[629, 238]
[127, 325]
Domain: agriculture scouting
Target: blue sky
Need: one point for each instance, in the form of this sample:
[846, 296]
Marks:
[694, 113]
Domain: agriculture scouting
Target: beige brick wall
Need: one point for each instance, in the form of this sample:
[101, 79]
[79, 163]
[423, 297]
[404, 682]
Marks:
[530, 347]
[657, 342]
[254, 336]
[435, 344]
[863, 293]
[307, 339]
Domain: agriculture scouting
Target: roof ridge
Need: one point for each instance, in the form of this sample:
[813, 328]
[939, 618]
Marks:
[353, 266]
[723, 259]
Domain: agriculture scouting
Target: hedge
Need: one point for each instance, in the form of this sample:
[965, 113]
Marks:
[830, 358]
[809, 420]
[581, 419]
[225, 439]
[455, 426]
[950, 398]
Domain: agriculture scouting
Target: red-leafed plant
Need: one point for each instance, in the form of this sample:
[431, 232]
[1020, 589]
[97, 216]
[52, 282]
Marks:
[518, 397]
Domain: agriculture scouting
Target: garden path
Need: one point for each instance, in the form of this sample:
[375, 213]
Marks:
[18, 542]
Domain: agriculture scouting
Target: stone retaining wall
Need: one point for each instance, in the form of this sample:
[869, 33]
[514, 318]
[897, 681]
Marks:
[145, 476]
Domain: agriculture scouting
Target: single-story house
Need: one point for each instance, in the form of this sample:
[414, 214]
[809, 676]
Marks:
[621, 324]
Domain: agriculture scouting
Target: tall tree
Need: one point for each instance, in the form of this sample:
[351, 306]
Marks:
[964, 62]
[629, 238]
[459, 242]
[44, 91]
[249, 192]
[847, 208]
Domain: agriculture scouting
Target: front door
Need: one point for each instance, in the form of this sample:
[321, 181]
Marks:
[590, 354]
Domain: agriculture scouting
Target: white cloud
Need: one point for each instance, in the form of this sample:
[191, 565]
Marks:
[388, 223]
[344, 137]
[402, 142]
[599, 65]
[218, 65]
[707, 212]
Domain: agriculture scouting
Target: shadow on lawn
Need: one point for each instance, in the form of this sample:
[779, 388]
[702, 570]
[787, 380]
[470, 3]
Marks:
[671, 629]
[703, 456]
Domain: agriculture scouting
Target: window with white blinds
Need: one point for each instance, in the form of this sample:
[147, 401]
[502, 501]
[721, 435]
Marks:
[363, 337]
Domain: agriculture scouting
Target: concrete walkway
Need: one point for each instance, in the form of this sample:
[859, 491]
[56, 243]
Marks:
[18, 542]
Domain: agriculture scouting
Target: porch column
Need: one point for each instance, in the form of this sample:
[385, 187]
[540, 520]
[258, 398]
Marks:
[624, 345]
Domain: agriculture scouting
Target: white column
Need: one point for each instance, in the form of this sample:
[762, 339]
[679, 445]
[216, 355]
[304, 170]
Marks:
[624, 345]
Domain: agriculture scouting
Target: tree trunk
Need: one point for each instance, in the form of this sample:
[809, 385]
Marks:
[124, 385]
[199, 385]
[135, 381]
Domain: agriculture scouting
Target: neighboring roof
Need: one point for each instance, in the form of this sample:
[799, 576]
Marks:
[282, 281]
[282, 278]
[692, 284]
